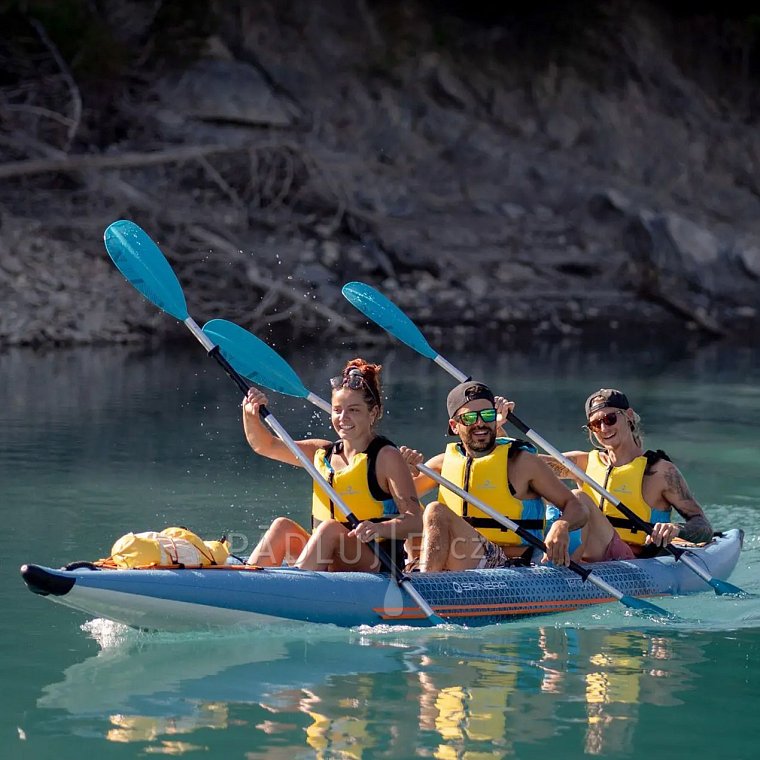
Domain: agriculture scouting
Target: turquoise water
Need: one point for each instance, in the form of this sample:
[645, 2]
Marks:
[101, 442]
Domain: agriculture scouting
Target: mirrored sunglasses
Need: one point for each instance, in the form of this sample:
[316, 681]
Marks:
[470, 418]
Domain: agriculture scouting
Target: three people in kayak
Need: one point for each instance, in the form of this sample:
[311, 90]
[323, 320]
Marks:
[381, 485]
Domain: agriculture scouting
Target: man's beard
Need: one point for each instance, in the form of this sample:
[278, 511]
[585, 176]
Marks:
[477, 445]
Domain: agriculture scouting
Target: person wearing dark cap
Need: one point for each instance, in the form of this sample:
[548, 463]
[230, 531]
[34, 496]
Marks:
[506, 474]
[646, 482]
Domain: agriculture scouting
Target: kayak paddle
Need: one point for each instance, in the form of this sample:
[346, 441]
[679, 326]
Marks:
[385, 313]
[141, 262]
[261, 364]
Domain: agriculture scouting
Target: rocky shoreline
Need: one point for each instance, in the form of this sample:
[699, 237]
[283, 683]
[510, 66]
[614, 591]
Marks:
[479, 180]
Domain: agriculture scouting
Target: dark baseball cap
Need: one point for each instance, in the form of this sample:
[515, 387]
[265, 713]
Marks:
[606, 397]
[469, 390]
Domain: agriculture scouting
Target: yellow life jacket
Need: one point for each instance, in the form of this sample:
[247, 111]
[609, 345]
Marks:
[339, 735]
[487, 478]
[344, 732]
[471, 714]
[613, 686]
[356, 484]
[139, 728]
[478, 710]
[625, 483]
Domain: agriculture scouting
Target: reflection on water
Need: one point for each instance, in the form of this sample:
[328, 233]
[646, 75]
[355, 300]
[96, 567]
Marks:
[108, 441]
[462, 696]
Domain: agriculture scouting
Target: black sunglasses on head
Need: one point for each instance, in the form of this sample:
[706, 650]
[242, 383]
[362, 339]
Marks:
[353, 380]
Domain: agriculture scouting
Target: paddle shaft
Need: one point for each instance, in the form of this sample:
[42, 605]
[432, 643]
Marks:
[215, 353]
[528, 537]
[493, 514]
[584, 572]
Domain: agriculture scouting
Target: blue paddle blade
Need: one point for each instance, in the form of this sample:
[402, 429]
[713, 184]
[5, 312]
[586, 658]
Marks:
[648, 608]
[724, 587]
[385, 313]
[254, 359]
[140, 260]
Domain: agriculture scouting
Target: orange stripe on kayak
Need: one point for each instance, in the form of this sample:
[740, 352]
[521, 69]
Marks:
[476, 610]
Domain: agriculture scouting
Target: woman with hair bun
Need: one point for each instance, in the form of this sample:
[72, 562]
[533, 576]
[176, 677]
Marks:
[365, 468]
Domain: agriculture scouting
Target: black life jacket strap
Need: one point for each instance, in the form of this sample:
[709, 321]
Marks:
[655, 456]
[329, 450]
[625, 523]
[315, 523]
[489, 522]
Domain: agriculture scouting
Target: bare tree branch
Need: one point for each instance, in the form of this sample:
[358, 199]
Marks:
[76, 97]
[120, 161]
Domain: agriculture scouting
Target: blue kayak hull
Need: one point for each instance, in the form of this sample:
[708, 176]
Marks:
[188, 599]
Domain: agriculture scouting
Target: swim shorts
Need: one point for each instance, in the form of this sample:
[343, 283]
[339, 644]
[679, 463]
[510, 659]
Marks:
[617, 549]
[493, 556]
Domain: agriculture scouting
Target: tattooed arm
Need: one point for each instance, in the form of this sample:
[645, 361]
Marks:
[578, 458]
[676, 493]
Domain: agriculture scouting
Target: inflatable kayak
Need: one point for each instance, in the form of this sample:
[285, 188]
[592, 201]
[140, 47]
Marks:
[220, 596]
